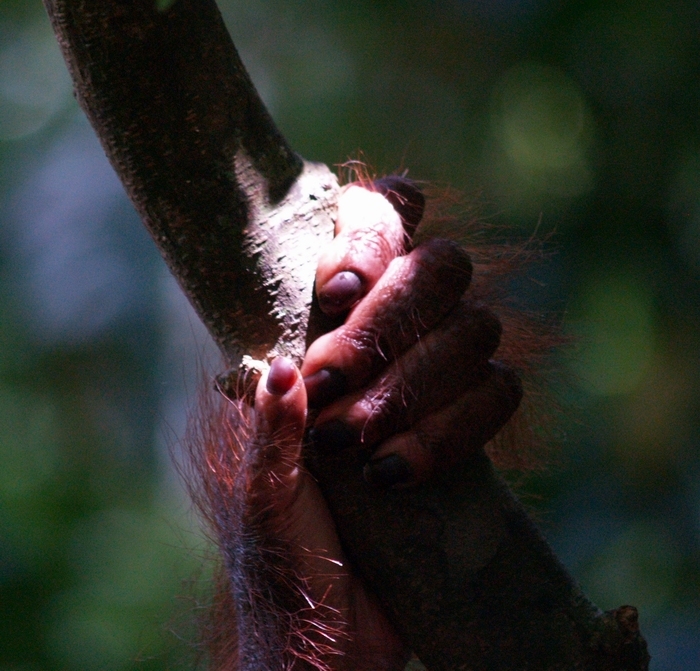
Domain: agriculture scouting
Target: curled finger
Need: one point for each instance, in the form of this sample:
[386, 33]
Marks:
[441, 367]
[280, 420]
[372, 228]
[440, 440]
[413, 296]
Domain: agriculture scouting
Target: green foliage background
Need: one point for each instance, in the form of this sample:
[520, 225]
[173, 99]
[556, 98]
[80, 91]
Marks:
[578, 118]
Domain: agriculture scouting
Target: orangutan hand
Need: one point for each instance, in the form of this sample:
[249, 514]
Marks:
[407, 377]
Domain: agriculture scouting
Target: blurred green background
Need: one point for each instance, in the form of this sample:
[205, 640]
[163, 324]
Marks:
[579, 117]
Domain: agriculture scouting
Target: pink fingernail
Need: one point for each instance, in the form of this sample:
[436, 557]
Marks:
[281, 377]
[340, 293]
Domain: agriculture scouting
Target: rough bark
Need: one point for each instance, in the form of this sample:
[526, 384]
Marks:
[239, 218]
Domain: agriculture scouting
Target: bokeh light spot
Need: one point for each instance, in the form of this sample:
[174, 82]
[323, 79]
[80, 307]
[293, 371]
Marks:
[541, 117]
[543, 128]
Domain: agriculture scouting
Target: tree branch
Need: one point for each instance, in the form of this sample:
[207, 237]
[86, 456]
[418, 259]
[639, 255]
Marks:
[202, 161]
[466, 578]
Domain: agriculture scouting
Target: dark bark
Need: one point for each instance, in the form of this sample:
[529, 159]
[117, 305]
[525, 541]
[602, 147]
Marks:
[198, 155]
[465, 576]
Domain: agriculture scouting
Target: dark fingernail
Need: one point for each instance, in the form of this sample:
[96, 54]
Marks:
[334, 435]
[340, 293]
[388, 472]
[281, 377]
[324, 386]
[408, 200]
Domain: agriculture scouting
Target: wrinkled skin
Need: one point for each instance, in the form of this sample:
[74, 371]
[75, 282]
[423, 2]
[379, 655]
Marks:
[407, 376]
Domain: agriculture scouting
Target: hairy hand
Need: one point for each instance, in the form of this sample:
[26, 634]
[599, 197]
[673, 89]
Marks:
[287, 597]
[334, 623]
[408, 376]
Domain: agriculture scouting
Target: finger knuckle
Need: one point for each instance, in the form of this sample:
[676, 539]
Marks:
[448, 262]
[476, 328]
[385, 408]
[360, 344]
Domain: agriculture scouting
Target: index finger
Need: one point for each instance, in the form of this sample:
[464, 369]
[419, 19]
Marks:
[372, 228]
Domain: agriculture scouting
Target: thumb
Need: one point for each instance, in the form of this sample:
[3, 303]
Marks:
[280, 416]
